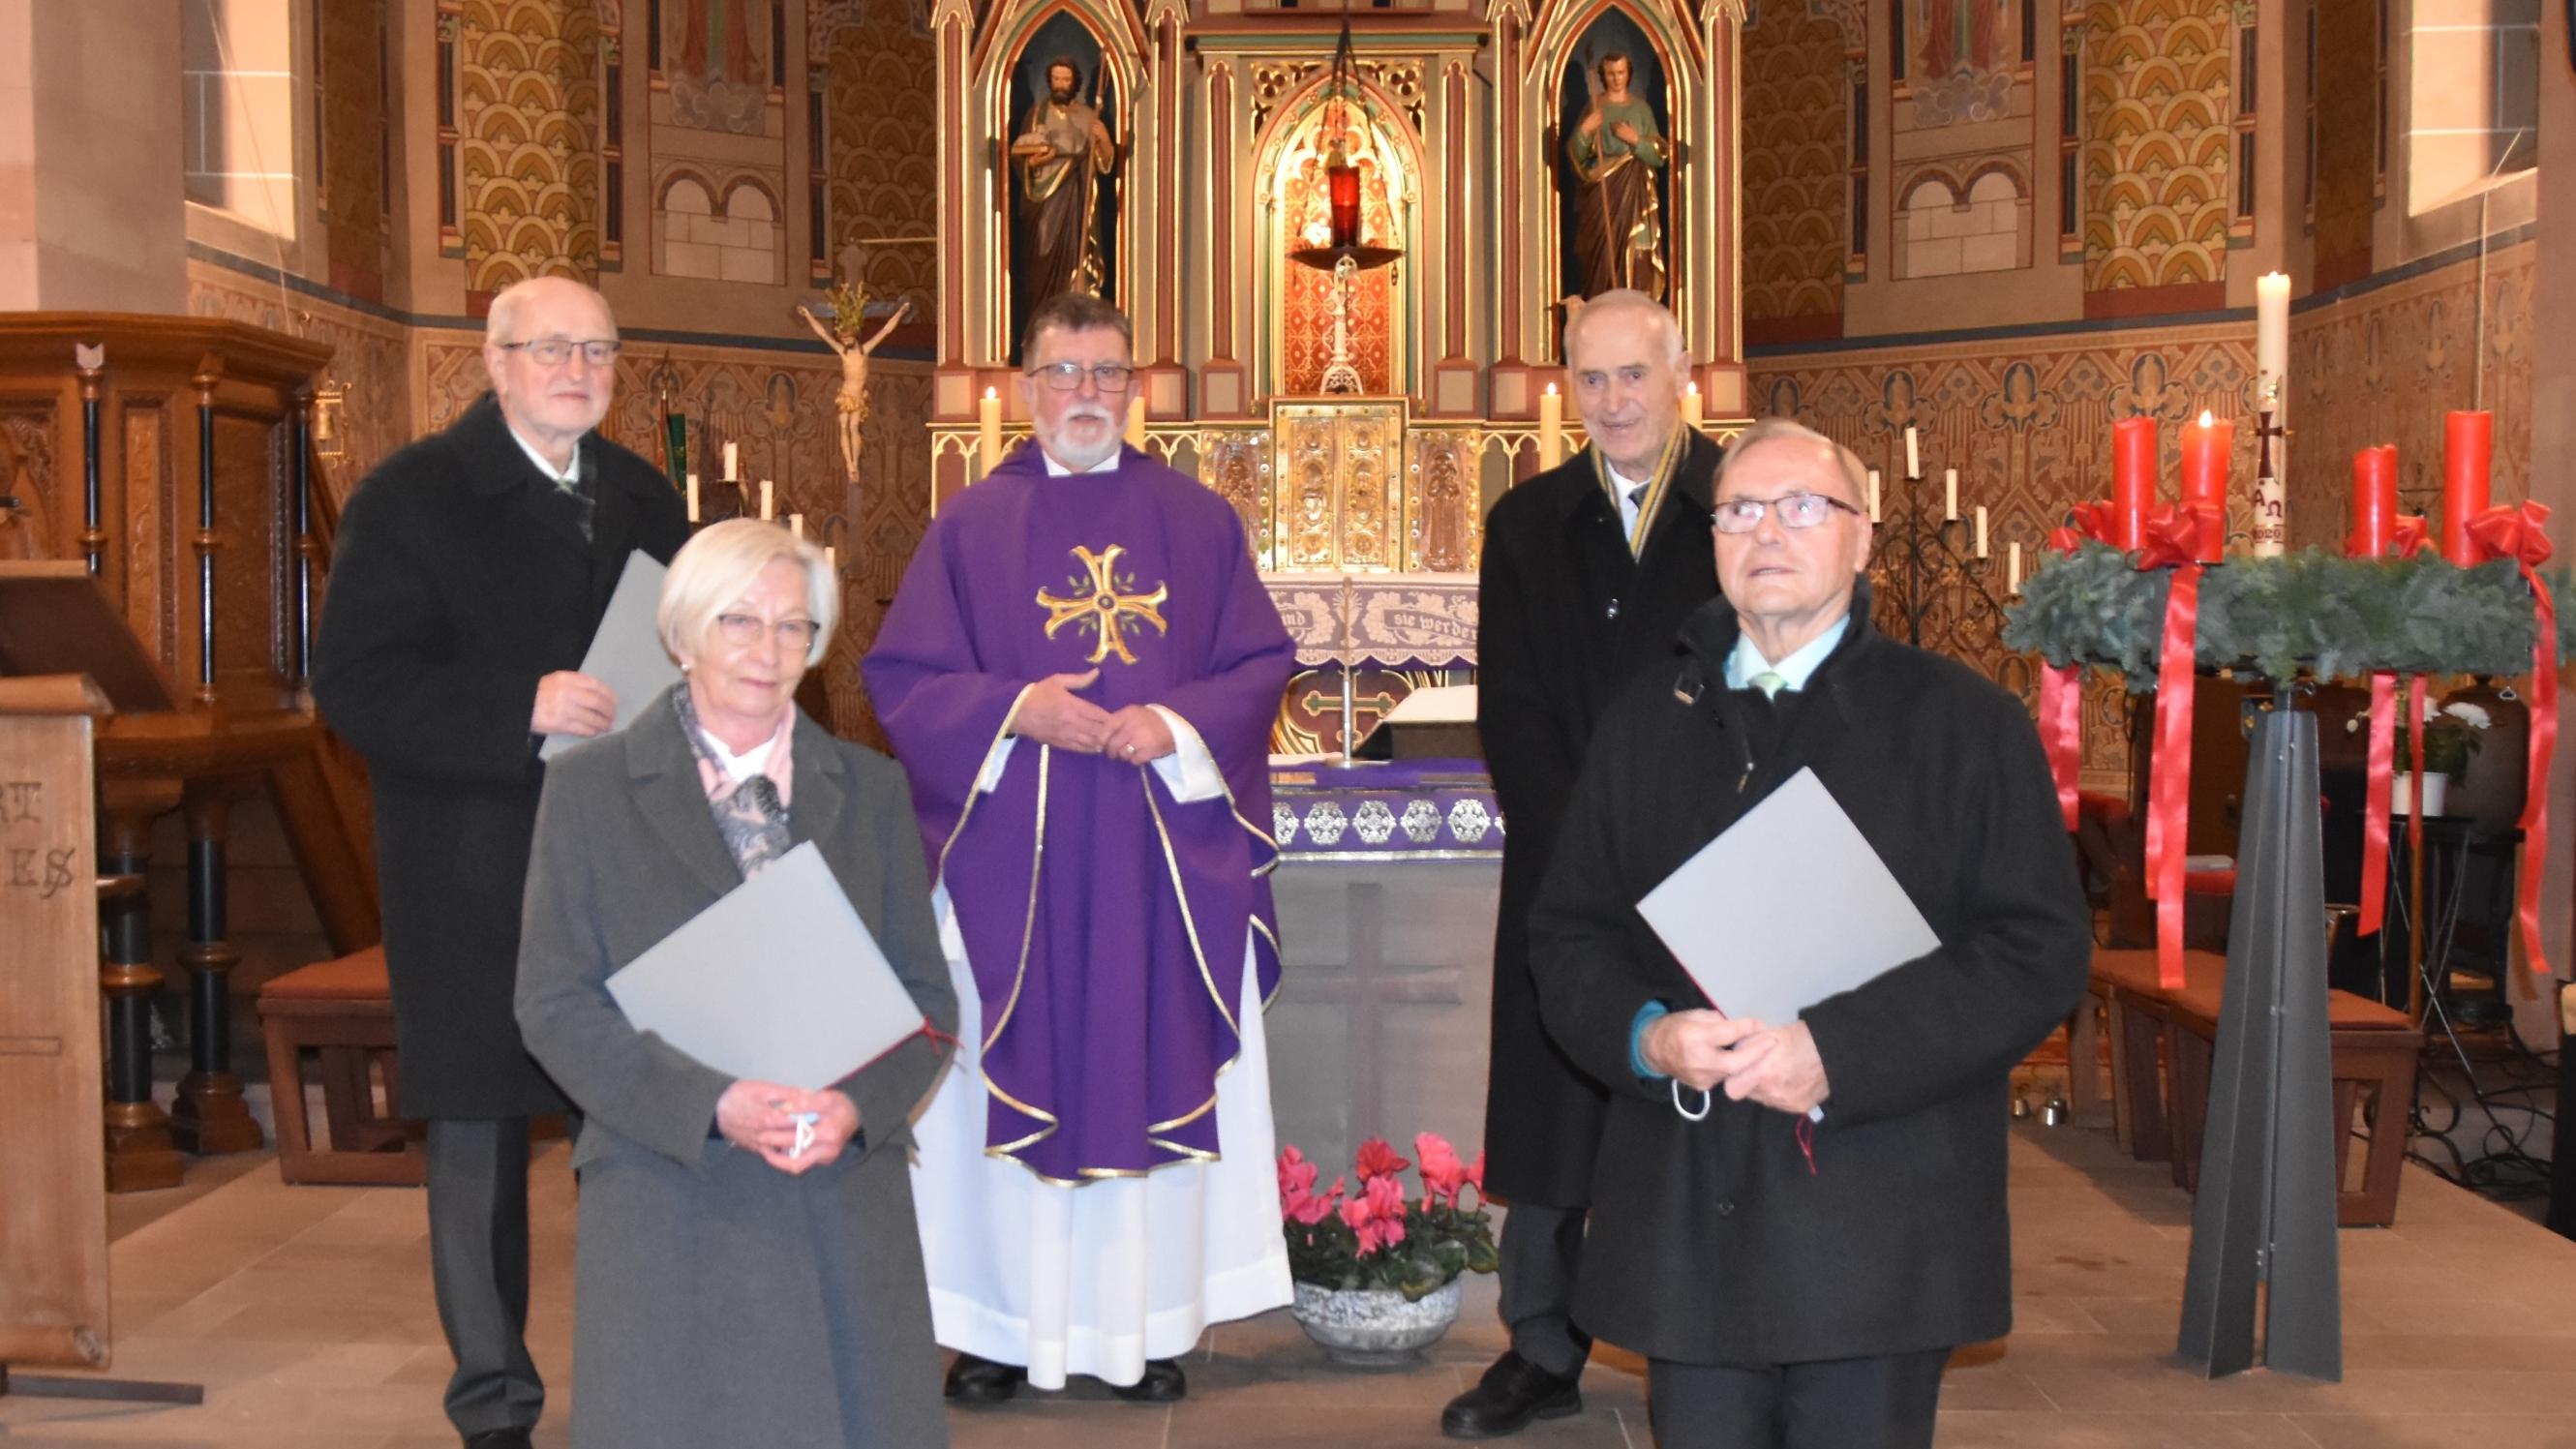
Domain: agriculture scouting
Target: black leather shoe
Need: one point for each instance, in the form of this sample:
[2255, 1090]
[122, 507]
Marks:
[1162, 1384]
[498, 1439]
[973, 1380]
[1512, 1393]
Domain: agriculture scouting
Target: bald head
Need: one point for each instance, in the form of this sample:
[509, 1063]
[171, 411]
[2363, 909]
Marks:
[1624, 356]
[550, 346]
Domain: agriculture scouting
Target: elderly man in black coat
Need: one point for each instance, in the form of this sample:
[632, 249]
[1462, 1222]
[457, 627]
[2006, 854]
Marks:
[1589, 570]
[470, 571]
[1798, 1251]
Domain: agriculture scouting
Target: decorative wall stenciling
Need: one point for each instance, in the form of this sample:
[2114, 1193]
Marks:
[2383, 368]
[881, 143]
[371, 359]
[1796, 168]
[2157, 110]
[529, 76]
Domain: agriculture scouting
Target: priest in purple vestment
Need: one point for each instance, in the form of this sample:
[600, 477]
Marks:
[1079, 675]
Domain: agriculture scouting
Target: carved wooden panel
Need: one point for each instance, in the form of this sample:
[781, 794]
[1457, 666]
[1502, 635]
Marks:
[250, 567]
[35, 528]
[151, 546]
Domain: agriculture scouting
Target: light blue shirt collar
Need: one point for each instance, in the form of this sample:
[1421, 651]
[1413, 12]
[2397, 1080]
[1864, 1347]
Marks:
[1795, 670]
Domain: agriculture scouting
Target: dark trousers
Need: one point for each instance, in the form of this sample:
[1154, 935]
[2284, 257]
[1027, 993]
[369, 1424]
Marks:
[1538, 1252]
[1852, 1403]
[478, 1260]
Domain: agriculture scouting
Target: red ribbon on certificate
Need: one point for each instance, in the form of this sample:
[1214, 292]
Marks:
[2515, 533]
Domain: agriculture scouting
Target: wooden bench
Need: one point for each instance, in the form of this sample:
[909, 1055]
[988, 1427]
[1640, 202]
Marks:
[342, 1011]
[2161, 1044]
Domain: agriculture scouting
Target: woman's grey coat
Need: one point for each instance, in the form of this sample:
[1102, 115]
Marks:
[720, 1300]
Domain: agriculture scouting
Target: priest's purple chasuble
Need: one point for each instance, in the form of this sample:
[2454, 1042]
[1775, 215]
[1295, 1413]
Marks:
[1104, 919]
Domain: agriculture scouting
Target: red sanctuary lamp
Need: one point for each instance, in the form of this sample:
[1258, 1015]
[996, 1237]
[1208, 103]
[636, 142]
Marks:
[1342, 191]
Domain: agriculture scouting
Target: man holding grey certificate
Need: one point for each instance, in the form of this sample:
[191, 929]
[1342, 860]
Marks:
[750, 1268]
[1796, 1218]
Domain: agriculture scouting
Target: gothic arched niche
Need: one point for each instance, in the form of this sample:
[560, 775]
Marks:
[1295, 211]
[1063, 211]
[1614, 177]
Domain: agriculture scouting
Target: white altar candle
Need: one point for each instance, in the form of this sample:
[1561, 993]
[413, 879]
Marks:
[2272, 390]
[988, 429]
[1551, 428]
[730, 476]
[796, 524]
[1690, 404]
[2012, 568]
[767, 512]
[832, 558]
[1913, 459]
[1949, 494]
[693, 498]
[1136, 420]
[1873, 495]
[1981, 531]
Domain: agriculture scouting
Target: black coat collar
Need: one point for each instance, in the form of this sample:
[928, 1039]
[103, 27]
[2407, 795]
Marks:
[1708, 636]
[495, 463]
[1694, 478]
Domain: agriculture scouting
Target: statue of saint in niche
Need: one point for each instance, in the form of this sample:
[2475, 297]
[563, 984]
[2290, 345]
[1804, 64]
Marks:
[1061, 151]
[1618, 157]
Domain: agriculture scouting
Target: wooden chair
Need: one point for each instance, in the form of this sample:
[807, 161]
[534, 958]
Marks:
[343, 1011]
[2161, 1046]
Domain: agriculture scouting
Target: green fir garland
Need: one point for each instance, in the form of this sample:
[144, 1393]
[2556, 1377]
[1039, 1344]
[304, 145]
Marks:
[2308, 612]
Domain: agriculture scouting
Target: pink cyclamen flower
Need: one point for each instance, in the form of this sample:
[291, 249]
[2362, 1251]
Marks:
[1442, 1173]
[1313, 1208]
[1476, 1174]
[1296, 1174]
[1376, 1159]
[1386, 1203]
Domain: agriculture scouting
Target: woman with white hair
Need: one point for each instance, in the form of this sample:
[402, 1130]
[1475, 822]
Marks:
[733, 1290]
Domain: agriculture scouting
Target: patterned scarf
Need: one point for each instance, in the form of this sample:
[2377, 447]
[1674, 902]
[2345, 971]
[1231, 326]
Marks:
[751, 813]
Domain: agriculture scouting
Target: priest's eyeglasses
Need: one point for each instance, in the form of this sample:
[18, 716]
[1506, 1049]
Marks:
[1067, 376]
[743, 631]
[556, 351]
[1797, 510]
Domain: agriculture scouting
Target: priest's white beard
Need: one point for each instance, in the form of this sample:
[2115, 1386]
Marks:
[1094, 1279]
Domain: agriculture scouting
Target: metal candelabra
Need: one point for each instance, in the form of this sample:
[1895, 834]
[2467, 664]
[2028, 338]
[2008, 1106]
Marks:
[1929, 587]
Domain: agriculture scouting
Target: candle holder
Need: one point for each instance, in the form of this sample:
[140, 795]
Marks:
[1928, 588]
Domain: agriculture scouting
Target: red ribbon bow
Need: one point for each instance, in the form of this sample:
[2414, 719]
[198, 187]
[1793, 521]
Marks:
[2172, 541]
[2515, 533]
[2409, 535]
[2061, 686]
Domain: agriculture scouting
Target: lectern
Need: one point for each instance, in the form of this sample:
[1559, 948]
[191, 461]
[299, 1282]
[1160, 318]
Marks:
[53, 1216]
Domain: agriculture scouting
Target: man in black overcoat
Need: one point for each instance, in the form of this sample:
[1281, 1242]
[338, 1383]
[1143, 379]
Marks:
[1589, 569]
[1792, 1279]
[468, 576]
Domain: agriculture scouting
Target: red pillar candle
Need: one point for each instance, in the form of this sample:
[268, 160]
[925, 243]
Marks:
[2374, 502]
[2468, 445]
[2133, 479]
[2207, 447]
[1342, 181]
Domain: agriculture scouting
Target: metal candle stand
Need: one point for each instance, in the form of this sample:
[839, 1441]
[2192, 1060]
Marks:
[1922, 578]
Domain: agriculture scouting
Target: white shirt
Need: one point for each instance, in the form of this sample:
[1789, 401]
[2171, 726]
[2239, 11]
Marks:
[743, 766]
[1058, 470]
[565, 478]
[1795, 670]
[1630, 500]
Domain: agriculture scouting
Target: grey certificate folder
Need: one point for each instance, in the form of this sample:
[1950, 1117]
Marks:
[1789, 906]
[626, 653]
[778, 982]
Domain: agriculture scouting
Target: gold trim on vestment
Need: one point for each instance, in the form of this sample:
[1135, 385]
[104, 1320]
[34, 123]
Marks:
[975, 784]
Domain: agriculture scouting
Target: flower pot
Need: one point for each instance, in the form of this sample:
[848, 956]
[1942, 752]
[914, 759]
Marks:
[1375, 1327]
[2401, 793]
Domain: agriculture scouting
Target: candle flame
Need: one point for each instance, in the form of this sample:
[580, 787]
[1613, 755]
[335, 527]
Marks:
[1551, 389]
[993, 394]
[1694, 386]
[2205, 418]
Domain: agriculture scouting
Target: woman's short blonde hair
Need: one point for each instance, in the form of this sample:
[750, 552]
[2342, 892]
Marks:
[717, 567]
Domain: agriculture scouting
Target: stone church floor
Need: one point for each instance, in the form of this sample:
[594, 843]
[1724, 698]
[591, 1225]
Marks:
[306, 1314]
